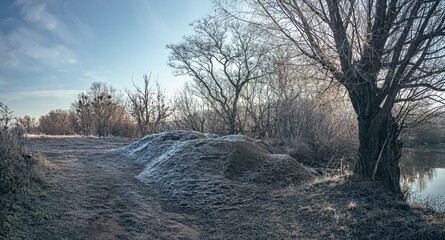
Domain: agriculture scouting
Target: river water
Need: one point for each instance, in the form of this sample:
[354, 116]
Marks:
[422, 170]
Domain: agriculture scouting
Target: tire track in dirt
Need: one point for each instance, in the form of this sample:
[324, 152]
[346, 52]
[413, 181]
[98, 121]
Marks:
[94, 195]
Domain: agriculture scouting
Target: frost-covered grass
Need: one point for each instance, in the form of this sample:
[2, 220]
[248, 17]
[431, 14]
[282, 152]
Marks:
[202, 187]
[344, 207]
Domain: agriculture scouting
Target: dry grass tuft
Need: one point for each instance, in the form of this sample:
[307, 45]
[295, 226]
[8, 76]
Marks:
[351, 206]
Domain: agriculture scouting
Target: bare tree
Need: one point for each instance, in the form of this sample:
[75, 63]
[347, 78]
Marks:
[84, 114]
[388, 54]
[149, 107]
[98, 109]
[222, 58]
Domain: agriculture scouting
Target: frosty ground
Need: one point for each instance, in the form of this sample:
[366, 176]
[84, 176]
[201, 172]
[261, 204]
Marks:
[187, 185]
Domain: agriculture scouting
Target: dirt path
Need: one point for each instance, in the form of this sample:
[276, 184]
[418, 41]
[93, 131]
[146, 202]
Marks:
[94, 195]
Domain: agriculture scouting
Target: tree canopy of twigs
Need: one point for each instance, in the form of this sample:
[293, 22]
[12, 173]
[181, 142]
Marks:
[222, 57]
[149, 107]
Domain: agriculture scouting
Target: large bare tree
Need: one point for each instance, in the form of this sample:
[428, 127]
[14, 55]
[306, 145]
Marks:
[388, 54]
[222, 57]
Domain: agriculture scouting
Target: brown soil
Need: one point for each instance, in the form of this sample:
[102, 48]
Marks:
[94, 195]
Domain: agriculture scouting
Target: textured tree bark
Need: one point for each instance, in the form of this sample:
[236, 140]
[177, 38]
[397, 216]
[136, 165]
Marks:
[379, 153]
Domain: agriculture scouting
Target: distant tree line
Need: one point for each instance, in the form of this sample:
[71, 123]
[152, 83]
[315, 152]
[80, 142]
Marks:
[102, 111]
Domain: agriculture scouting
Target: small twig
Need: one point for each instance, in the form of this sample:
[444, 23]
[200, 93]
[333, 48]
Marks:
[378, 159]
[341, 165]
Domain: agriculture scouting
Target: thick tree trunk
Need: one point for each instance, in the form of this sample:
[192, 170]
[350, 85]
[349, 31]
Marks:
[233, 114]
[380, 152]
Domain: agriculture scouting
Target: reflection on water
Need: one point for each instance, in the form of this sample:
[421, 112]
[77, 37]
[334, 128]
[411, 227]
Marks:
[423, 171]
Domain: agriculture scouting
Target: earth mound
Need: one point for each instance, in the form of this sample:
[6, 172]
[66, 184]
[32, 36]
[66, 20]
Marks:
[207, 170]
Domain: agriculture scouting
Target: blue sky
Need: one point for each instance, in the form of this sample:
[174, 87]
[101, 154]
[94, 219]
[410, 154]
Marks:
[52, 50]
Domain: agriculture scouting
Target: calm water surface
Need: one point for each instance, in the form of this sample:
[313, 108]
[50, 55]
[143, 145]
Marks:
[423, 171]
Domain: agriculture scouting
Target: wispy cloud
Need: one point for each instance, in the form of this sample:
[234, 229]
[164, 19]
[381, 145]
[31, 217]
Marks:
[37, 13]
[24, 49]
[35, 43]
[3, 82]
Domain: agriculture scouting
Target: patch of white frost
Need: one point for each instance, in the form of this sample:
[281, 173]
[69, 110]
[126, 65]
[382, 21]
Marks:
[153, 146]
[192, 164]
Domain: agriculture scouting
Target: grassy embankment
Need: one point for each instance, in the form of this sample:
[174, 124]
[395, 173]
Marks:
[22, 179]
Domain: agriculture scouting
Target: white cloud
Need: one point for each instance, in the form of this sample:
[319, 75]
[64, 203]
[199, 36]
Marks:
[37, 13]
[24, 49]
[2, 82]
[53, 55]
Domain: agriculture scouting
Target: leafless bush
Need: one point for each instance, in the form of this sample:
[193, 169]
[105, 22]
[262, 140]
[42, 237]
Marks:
[431, 202]
[28, 123]
[18, 169]
[124, 126]
[192, 113]
[306, 127]
[57, 122]
[313, 133]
